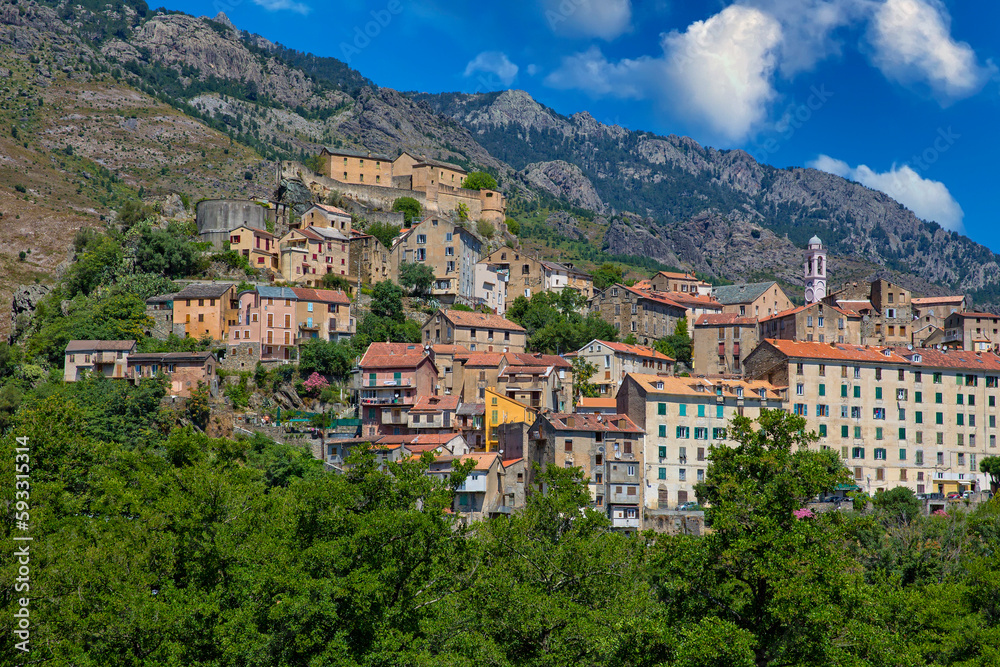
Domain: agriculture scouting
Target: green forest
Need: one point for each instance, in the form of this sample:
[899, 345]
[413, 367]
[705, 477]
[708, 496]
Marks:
[159, 546]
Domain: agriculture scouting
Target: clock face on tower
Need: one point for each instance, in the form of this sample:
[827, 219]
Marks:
[809, 294]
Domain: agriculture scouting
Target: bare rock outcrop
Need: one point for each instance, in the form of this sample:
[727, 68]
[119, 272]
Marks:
[566, 181]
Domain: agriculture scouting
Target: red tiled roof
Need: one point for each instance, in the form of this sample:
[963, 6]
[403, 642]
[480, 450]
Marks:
[692, 300]
[653, 296]
[441, 348]
[592, 422]
[799, 309]
[322, 295]
[637, 350]
[393, 355]
[461, 318]
[332, 209]
[974, 314]
[536, 359]
[435, 403]
[930, 300]
[836, 351]
[99, 345]
[677, 276]
[723, 319]
[435, 438]
[480, 359]
[484, 460]
[958, 359]
[587, 402]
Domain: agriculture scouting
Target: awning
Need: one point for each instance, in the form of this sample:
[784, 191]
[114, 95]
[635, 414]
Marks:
[847, 487]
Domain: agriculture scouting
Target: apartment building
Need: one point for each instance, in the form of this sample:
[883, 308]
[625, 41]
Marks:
[694, 304]
[616, 360]
[100, 357]
[307, 254]
[721, 342]
[483, 493]
[478, 332]
[434, 414]
[185, 370]
[357, 167]
[819, 322]
[391, 378]
[972, 331]
[609, 451]
[682, 418]
[266, 323]
[323, 314]
[258, 246]
[649, 316]
[450, 249]
[757, 300]
[682, 283]
[491, 287]
[920, 418]
[206, 309]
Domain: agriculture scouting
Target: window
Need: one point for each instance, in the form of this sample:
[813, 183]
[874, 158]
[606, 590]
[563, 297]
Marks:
[918, 457]
[857, 432]
[878, 413]
[701, 433]
[822, 410]
[939, 418]
[701, 410]
[568, 446]
[822, 430]
[960, 419]
[719, 414]
[879, 454]
[900, 394]
[661, 409]
[878, 393]
[683, 410]
[799, 368]
[857, 372]
[878, 373]
[960, 399]
[937, 378]
[683, 432]
[843, 391]
[720, 434]
[682, 475]
[801, 409]
[857, 452]
[939, 439]
[822, 390]
[843, 412]
[662, 473]
[940, 458]
[918, 397]
[855, 412]
[845, 432]
[662, 450]
[939, 398]
[918, 417]
[878, 433]
[857, 392]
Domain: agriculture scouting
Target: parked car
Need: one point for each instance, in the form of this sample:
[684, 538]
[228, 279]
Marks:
[935, 496]
[690, 506]
[954, 495]
[968, 495]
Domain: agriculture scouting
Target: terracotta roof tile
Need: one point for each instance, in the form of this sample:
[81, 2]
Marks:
[99, 345]
[463, 318]
[321, 295]
[689, 386]
[953, 359]
[592, 422]
[723, 319]
[595, 403]
[837, 351]
[435, 403]
[625, 348]
[931, 300]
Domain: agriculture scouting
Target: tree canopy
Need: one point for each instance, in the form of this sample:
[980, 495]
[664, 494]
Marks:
[409, 207]
[417, 276]
[554, 322]
[479, 180]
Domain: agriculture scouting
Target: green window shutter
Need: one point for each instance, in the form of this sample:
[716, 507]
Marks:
[663, 450]
[878, 433]
[939, 418]
[397, 376]
[939, 397]
[822, 390]
[663, 432]
[845, 432]
[662, 473]
[857, 392]
[902, 433]
[919, 417]
[684, 410]
[843, 391]
[960, 419]
[857, 432]
[902, 454]
[878, 393]
[661, 409]
[822, 430]
[719, 414]
[701, 410]
[918, 397]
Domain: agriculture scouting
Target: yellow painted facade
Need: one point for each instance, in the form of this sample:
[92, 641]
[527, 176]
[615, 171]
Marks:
[503, 410]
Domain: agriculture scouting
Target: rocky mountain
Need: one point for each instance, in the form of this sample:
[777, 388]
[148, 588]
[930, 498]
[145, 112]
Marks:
[113, 99]
[716, 211]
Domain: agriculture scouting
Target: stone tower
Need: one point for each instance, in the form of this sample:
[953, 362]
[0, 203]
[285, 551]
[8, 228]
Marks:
[815, 268]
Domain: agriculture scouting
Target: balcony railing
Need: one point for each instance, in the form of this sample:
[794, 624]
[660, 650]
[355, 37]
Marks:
[625, 523]
[387, 401]
[107, 358]
[402, 382]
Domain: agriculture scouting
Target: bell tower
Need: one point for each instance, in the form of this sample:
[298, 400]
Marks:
[815, 271]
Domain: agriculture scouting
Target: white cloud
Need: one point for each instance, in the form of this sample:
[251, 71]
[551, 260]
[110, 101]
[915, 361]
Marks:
[913, 43]
[929, 200]
[283, 5]
[721, 69]
[606, 19]
[493, 62]
[594, 74]
[531, 69]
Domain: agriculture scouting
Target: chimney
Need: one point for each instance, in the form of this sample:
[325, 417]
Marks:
[621, 424]
[569, 421]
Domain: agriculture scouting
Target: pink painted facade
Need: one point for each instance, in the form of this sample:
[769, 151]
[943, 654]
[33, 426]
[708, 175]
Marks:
[392, 377]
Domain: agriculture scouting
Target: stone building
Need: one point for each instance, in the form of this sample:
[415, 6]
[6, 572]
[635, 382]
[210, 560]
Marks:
[934, 310]
[258, 246]
[609, 451]
[160, 310]
[309, 254]
[820, 322]
[325, 216]
[920, 418]
[371, 259]
[885, 309]
[450, 249]
[682, 283]
[266, 322]
[216, 218]
[480, 332]
[616, 360]
[649, 316]
[757, 300]
[721, 342]
[491, 287]
[100, 357]
[359, 167]
[682, 417]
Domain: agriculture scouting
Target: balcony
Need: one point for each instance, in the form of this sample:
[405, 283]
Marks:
[389, 400]
[954, 336]
[306, 326]
[473, 485]
[394, 418]
[626, 523]
[107, 358]
[402, 382]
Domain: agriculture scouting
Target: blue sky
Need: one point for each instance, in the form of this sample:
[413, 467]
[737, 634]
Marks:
[901, 95]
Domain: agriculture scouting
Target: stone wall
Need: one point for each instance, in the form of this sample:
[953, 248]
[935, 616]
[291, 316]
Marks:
[217, 217]
[370, 195]
[163, 322]
[370, 215]
[242, 357]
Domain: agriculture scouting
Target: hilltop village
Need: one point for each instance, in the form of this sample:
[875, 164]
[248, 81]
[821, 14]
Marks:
[902, 387]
